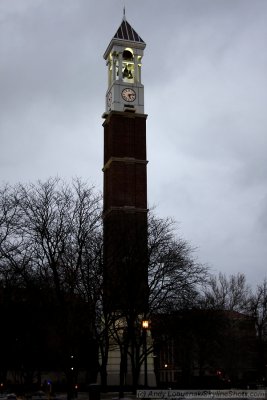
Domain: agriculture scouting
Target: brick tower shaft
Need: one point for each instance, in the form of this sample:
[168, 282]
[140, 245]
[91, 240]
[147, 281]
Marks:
[125, 211]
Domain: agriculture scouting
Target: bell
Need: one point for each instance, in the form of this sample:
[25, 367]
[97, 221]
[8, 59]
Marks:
[127, 55]
[125, 73]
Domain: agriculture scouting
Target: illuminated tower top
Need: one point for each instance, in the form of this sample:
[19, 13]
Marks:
[124, 60]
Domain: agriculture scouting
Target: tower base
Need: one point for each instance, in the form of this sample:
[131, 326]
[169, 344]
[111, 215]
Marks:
[113, 370]
[147, 377]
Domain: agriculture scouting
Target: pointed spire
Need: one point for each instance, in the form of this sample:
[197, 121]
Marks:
[126, 32]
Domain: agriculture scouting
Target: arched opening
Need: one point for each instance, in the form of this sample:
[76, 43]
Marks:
[125, 65]
[128, 65]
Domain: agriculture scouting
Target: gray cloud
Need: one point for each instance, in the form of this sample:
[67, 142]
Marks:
[205, 80]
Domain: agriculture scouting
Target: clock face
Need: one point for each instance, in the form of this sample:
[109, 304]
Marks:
[128, 94]
[109, 99]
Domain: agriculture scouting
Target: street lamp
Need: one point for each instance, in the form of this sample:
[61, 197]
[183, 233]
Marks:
[145, 325]
[166, 374]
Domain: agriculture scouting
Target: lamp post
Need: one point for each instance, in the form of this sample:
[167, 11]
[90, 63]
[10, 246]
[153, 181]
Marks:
[145, 325]
[166, 374]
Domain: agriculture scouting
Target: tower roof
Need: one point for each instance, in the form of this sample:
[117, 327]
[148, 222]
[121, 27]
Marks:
[125, 35]
[126, 32]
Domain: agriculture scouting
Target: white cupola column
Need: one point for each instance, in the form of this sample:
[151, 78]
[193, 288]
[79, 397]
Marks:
[114, 61]
[136, 77]
[139, 71]
[120, 66]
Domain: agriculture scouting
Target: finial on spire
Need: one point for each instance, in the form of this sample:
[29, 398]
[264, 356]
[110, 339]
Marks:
[124, 14]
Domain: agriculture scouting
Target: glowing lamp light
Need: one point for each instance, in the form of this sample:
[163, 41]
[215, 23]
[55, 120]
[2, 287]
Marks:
[145, 324]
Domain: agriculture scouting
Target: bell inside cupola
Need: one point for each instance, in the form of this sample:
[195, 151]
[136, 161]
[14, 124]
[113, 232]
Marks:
[128, 65]
[127, 55]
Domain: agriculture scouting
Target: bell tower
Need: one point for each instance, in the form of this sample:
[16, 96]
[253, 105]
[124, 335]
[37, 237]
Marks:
[123, 58]
[125, 207]
[125, 176]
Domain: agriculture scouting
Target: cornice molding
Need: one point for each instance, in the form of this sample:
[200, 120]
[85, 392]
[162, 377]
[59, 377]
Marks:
[125, 209]
[125, 114]
[126, 160]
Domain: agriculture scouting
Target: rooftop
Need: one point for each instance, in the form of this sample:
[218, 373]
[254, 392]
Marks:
[126, 32]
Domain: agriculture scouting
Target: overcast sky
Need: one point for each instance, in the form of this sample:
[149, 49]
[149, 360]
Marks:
[205, 78]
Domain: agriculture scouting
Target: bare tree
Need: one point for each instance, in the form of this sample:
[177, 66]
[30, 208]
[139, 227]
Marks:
[227, 293]
[14, 256]
[174, 273]
[51, 233]
[257, 307]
